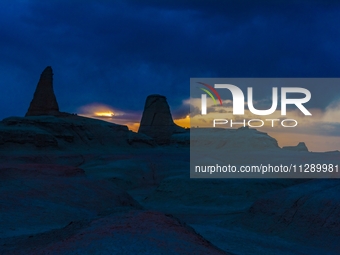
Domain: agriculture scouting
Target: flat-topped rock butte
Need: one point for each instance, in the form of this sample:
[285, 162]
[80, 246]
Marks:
[157, 120]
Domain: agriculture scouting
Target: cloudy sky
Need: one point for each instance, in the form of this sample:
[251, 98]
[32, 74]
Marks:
[109, 55]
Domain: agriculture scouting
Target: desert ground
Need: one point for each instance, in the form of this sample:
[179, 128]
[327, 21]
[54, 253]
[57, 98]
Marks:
[76, 185]
[77, 191]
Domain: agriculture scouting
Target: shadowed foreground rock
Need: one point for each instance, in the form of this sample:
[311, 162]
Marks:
[307, 211]
[44, 101]
[66, 132]
[157, 121]
[136, 232]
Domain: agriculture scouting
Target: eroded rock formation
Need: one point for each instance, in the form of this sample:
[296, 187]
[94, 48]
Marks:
[157, 120]
[44, 101]
[67, 132]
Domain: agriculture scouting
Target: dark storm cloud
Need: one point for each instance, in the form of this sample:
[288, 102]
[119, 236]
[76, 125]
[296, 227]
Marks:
[181, 112]
[119, 52]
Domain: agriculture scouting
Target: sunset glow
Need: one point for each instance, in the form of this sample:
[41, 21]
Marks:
[104, 114]
[183, 122]
[308, 129]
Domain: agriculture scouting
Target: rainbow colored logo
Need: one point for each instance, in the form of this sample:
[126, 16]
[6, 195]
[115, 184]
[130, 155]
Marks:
[211, 94]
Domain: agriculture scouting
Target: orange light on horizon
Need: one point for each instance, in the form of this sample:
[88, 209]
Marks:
[185, 122]
[133, 126]
[104, 114]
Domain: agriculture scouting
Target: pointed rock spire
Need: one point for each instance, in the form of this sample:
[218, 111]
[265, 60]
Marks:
[44, 101]
[157, 120]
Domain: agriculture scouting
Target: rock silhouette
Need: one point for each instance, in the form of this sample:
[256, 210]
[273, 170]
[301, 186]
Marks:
[49, 128]
[241, 139]
[67, 132]
[44, 101]
[157, 120]
[300, 147]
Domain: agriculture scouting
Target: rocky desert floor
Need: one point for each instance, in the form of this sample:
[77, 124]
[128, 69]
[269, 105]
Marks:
[141, 200]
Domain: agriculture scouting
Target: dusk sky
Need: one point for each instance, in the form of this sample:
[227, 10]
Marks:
[116, 53]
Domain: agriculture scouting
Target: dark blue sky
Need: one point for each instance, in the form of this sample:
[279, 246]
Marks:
[118, 53]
